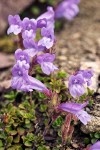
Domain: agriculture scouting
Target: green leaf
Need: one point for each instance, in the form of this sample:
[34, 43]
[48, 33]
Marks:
[10, 131]
[2, 136]
[22, 112]
[21, 106]
[58, 122]
[28, 115]
[91, 135]
[10, 139]
[16, 139]
[90, 102]
[97, 135]
[11, 121]
[15, 124]
[20, 130]
[86, 141]
[41, 95]
[30, 136]
[59, 133]
[2, 148]
[13, 132]
[90, 92]
[93, 141]
[35, 10]
[1, 144]
[42, 148]
[27, 121]
[61, 74]
[28, 143]
[43, 108]
[15, 147]
[28, 125]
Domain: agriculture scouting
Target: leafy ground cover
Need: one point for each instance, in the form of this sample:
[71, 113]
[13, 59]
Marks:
[33, 124]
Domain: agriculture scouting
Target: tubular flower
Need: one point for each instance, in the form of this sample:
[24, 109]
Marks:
[77, 82]
[45, 60]
[47, 31]
[75, 85]
[15, 24]
[49, 16]
[29, 24]
[76, 109]
[22, 59]
[20, 78]
[87, 75]
[67, 9]
[22, 81]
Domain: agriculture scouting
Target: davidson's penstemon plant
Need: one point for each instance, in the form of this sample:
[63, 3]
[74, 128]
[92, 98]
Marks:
[36, 42]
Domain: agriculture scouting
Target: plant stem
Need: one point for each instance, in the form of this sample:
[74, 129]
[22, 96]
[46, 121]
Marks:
[30, 100]
[20, 41]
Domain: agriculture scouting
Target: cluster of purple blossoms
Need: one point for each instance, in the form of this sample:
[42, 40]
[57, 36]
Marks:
[21, 80]
[77, 110]
[33, 43]
[29, 30]
[77, 82]
[67, 9]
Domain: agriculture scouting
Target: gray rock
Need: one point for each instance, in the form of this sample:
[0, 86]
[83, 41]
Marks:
[94, 124]
[11, 7]
[7, 61]
[95, 65]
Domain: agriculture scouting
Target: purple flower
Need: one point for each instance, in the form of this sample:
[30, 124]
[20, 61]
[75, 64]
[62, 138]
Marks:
[20, 78]
[22, 81]
[48, 38]
[22, 58]
[74, 1]
[29, 34]
[46, 42]
[42, 23]
[45, 60]
[29, 24]
[67, 9]
[75, 85]
[72, 107]
[29, 43]
[49, 16]
[31, 47]
[47, 32]
[21, 55]
[83, 116]
[37, 85]
[87, 75]
[95, 146]
[15, 24]
[76, 109]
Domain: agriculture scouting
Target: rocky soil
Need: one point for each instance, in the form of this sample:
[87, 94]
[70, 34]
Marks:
[11, 7]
